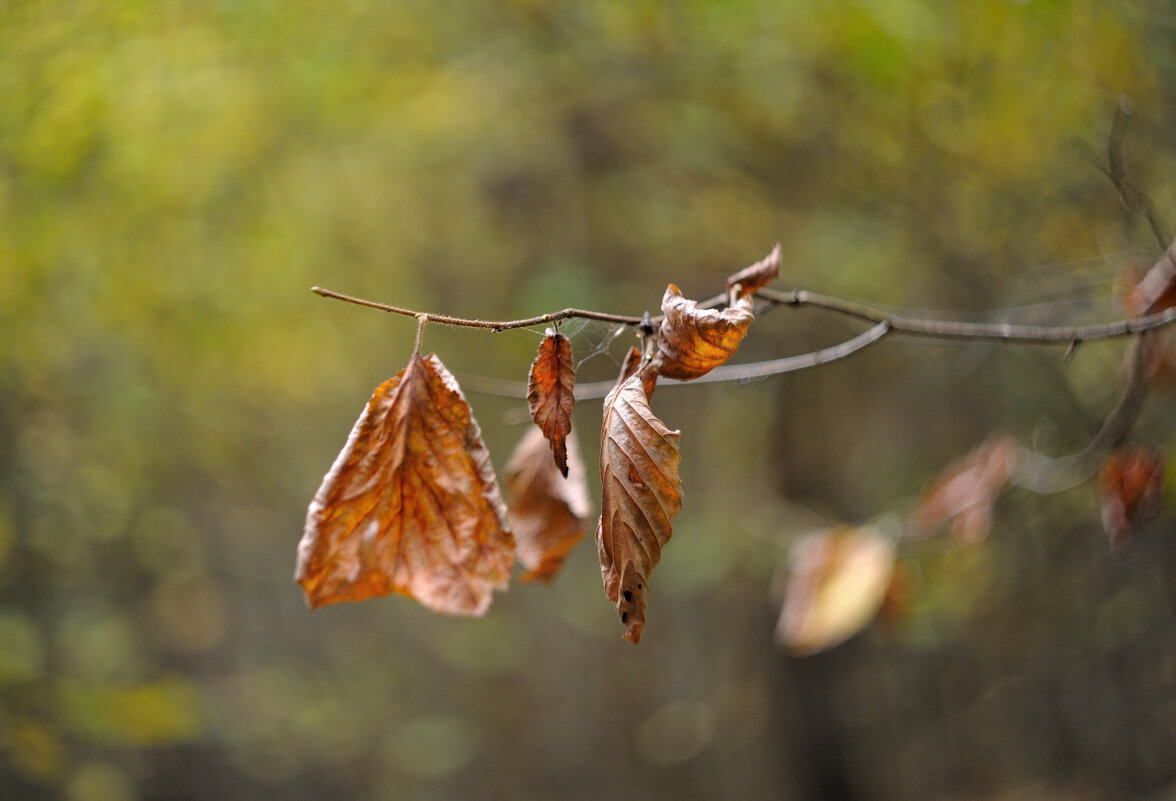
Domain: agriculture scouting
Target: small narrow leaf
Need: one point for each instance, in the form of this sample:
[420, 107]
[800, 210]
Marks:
[837, 581]
[550, 393]
[1130, 483]
[642, 493]
[411, 504]
[965, 492]
[549, 513]
[758, 275]
[694, 341]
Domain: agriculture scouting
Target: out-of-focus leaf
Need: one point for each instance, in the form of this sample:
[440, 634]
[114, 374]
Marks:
[1159, 359]
[900, 594]
[1157, 291]
[837, 581]
[411, 504]
[1130, 484]
[641, 495]
[758, 275]
[550, 393]
[548, 512]
[694, 341]
[965, 492]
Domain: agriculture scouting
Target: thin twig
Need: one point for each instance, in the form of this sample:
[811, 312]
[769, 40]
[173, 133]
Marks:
[803, 361]
[1045, 475]
[1132, 197]
[494, 325]
[1042, 474]
[946, 329]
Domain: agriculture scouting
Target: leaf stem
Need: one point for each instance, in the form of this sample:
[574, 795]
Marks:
[422, 320]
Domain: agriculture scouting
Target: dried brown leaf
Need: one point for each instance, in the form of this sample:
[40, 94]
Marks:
[837, 582]
[694, 341]
[411, 504]
[641, 495]
[966, 491]
[758, 275]
[550, 393]
[1130, 484]
[548, 513]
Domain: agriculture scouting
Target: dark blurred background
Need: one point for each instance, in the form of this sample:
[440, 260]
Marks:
[174, 176]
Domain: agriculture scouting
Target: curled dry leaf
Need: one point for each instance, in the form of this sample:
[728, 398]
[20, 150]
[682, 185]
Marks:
[549, 513]
[411, 504]
[1130, 484]
[694, 341]
[758, 275]
[837, 581]
[641, 495]
[965, 492]
[550, 393]
[1157, 291]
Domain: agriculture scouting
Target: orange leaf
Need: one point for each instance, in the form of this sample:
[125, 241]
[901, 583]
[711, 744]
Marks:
[965, 492]
[694, 341]
[758, 275]
[411, 504]
[550, 397]
[837, 582]
[642, 493]
[1157, 290]
[549, 513]
[1130, 483]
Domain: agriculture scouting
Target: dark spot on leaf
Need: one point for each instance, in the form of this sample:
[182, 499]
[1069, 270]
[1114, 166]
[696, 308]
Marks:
[628, 596]
[624, 617]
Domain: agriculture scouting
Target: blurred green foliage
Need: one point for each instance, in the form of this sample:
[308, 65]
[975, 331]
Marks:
[175, 175]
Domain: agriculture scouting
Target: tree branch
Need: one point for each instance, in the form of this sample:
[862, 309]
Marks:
[917, 326]
[494, 325]
[1042, 474]
[729, 372]
[946, 329]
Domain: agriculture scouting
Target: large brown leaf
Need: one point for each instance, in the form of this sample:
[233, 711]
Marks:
[411, 504]
[550, 393]
[548, 512]
[694, 341]
[642, 493]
